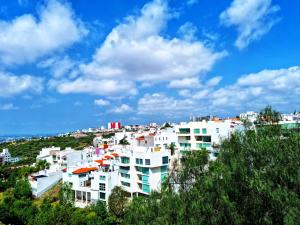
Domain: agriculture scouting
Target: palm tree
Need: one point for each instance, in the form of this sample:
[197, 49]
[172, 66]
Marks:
[269, 116]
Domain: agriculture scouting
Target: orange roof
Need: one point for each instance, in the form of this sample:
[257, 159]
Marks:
[141, 138]
[99, 161]
[108, 157]
[115, 154]
[84, 170]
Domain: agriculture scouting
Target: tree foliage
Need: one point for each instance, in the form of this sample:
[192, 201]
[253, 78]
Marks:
[255, 180]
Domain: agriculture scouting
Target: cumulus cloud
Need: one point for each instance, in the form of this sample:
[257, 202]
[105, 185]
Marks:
[11, 85]
[28, 37]
[160, 104]
[124, 108]
[136, 52]
[101, 102]
[252, 19]
[188, 31]
[59, 67]
[97, 87]
[279, 88]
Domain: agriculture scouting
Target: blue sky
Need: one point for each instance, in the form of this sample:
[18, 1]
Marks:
[67, 65]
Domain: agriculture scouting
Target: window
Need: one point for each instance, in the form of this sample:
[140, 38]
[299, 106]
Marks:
[217, 130]
[163, 169]
[139, 169]
[147, 162]
[204, 131]
[184, 130]
[145, 141]
[166, 138]
[125, 160]
[126, 184]
[101, 195]
[165, 160]
[146, 188]
[125, 175]
[139, 161]
[145, 179]
[102, 187]
[145, 170]
[188, 138]
[102, 177]
[206, 138]
[197, 131]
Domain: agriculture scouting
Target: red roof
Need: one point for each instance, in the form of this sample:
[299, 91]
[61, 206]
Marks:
[99, 161]
[84, 170]
[115, 154]
[108, 157]
[141, 138]
[64, 170]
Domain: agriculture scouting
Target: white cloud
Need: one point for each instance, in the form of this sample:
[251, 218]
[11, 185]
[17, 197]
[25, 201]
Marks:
[59, 67]
[26, 38]
[184, 83]
[279, 88]
[124, 108]
[276, 87]
[160, 104]
[101, 102]
[8, 106]
[252, 19]
[11, 85]
[135, 52]
[188, 31]
[97, 87]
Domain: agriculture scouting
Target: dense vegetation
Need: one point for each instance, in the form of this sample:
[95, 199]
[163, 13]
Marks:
[17, 207]
[29, 149]
[255, 180]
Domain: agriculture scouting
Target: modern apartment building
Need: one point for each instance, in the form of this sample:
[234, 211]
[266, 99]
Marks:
[139, 170]
[204, 134]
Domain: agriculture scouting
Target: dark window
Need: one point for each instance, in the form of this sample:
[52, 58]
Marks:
[147, 161]
[165, 160]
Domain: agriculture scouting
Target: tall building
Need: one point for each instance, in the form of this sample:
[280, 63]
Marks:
[114, 125]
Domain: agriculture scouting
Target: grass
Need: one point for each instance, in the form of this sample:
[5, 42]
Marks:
[52, 194]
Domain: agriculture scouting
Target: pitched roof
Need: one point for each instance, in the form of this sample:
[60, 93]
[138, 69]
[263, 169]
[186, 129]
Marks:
[84, 170]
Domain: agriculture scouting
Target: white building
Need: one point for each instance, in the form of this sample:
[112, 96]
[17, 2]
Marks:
[6, 157]
[165, 137]
[139, 170]
[250, 115]
[204, 134]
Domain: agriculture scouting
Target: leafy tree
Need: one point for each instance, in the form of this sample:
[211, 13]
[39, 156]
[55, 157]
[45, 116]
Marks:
[118, 201]
[22, 189]
[124, 141]
[66, 195]
[255, 180]
[269, 116]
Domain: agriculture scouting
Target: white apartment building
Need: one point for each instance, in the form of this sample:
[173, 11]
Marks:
[139, 170]
[204, 134]
[250, 115]
[6, 157]
[165, 137]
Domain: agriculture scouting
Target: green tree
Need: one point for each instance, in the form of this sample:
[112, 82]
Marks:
[66, 194]
[22, 189]
[269, 116]
[118, 201]
[124, 141]
[255, 180]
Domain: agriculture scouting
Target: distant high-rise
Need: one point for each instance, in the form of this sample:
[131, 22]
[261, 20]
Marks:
[114, 125]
